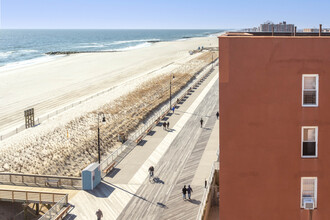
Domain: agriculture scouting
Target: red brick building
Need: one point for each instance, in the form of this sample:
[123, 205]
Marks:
[274, 127]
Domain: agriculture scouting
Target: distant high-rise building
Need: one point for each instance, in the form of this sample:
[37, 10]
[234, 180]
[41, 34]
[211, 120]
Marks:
[281, 27]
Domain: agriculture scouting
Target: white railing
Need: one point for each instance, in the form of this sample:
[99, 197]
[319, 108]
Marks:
[152, 121]
[215, 166]
[54, 211]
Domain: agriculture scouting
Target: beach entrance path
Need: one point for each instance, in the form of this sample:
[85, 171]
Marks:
[181, 155]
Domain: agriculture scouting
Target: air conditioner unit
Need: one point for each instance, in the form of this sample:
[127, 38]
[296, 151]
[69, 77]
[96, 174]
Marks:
[308, 203]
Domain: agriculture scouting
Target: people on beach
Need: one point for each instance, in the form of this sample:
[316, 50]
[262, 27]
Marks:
[201, 122]
[189, 190]
[184, 192]
[99, 214]
[167, 125]
[217, 115]
[164, 125]
[151, 171]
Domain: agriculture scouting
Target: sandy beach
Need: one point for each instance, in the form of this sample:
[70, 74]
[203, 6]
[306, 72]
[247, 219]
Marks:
[65, 144]
[48, 86]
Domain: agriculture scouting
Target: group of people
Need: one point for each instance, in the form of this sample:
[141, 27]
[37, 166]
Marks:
[166, 125]
[186, 191]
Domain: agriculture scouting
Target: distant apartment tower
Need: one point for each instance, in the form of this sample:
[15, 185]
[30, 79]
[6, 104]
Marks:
[281, 27]
[274, 127]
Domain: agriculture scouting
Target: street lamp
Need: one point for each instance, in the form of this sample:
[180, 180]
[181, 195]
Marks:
[98, 134]
[172, 76]
[212, 60]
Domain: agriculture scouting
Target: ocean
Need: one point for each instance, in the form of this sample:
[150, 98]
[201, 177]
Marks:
[24, 47]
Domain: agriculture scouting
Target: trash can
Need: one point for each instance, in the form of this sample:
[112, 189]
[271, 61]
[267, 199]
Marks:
[91, 176]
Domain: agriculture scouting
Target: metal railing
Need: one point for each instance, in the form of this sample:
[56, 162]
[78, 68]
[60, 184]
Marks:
[30, 196]
[40, 180]
[155, 118]
[54, 211]
[215, 166]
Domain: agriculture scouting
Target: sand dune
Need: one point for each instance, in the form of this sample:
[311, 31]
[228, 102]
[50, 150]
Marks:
[67, 143]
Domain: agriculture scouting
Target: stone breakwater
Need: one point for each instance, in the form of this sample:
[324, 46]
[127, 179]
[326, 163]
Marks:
[76, 52]
[96, 51]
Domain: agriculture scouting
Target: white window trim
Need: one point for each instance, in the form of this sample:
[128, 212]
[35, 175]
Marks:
[317, 90]
[301, 190]
[316, 141]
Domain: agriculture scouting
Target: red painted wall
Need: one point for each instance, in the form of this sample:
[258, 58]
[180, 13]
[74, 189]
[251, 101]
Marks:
[261, 115]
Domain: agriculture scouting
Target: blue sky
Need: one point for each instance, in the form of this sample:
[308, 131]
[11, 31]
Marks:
[161, 14]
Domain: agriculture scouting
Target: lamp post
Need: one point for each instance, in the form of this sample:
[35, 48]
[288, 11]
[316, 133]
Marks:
[98, 134]
[212, 60]
[172, 76]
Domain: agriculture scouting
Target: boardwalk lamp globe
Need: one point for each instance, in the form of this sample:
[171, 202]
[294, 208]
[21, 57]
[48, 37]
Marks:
[98, 135]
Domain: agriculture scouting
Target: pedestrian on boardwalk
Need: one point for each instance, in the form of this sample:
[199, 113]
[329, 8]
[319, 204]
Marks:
[184, 192]
[168, 125]
[201, 122]
[217, 115]
[99, 214]
[164, 125]
[189, 190]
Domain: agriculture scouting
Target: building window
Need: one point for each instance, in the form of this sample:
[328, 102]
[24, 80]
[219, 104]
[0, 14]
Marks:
[308, 191]
[309, 142]
[310, 86]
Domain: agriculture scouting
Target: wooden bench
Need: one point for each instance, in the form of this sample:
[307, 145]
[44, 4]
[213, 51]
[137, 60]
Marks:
[139, 139]
[108, 168]
[63, 213]
[49, 182]
[149, 129]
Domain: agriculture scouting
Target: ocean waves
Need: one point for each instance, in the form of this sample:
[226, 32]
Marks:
[8, 54]
[122, 45]
[23, 45]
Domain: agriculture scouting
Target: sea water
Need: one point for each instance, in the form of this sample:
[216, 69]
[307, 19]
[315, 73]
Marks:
[24, 47]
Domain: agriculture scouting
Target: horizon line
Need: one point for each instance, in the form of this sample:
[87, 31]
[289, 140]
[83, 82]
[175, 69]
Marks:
[116, 28]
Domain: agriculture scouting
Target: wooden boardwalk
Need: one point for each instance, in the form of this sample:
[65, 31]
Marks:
[163, 200]
[127, 193]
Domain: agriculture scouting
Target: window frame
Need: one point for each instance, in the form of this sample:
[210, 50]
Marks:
[301, 190]
[316, 141]
[317, 90]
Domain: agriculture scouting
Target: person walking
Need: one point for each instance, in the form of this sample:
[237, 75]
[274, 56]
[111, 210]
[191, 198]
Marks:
[99, 214]
[189, 190]
[151, 171]
[168, 125]
[164, 125]
[201, 122]
[217, 115]
[173, 109]
[184, 192]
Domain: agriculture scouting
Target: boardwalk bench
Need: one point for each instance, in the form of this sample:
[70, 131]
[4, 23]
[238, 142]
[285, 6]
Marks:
[63, 213]
[109, 168]
[139, 139]
[149, 129]
[49, 182]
